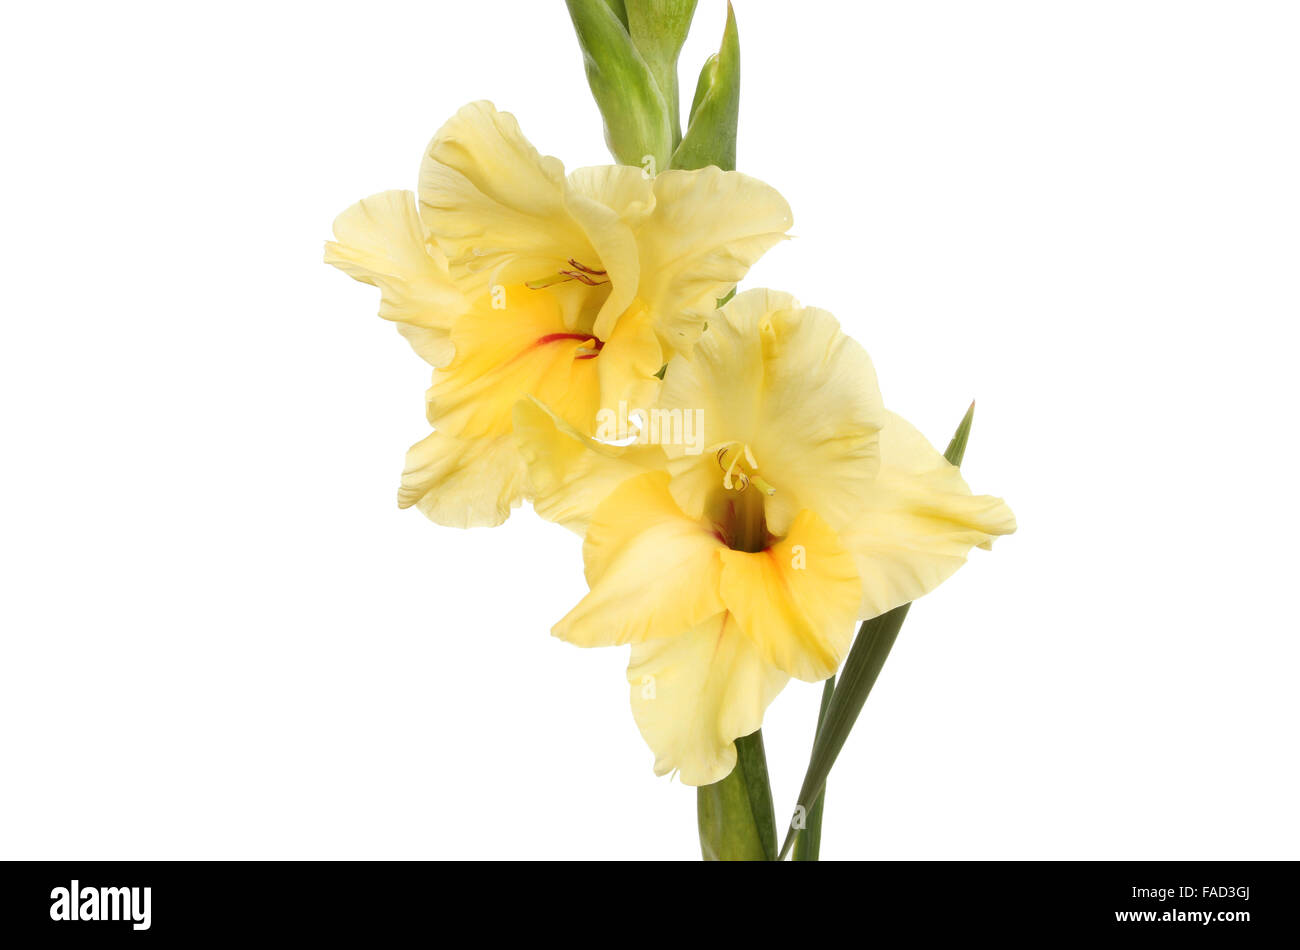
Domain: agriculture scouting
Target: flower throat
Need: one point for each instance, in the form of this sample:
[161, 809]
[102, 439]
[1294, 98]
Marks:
[738, 519]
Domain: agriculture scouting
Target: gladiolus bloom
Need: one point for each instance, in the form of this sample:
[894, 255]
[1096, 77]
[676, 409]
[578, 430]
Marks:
[731, 570]
[513, 279]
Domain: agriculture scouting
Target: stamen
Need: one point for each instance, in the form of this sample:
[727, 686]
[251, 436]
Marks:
[583, 278]
[726, 478]
[581, 273]
[735, 478]
[547, 281]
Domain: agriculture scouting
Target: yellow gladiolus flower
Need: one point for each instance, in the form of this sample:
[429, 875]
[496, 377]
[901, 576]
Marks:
[513, 279]
[733, 569]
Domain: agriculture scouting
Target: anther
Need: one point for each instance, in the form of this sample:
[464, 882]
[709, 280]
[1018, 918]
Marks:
[581, 273]
[734, 477]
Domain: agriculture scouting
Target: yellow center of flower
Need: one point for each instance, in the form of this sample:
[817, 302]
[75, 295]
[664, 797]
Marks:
[576, 271]
[740, 468]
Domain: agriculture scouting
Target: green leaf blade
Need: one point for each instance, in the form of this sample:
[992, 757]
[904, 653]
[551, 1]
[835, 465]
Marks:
[808, 845]
[866, 658]
[956, 450]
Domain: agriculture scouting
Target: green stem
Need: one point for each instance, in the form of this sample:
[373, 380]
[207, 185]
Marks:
[736, 819]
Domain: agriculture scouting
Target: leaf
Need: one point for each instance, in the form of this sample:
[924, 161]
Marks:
[735, 816]
[870, 650]
[866, 658]
[658, 29]
[711, 134]
[808, 845]
[635, 112]
[956, 450]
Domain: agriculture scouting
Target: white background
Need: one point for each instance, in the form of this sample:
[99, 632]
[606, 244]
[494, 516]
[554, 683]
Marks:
[221, 639]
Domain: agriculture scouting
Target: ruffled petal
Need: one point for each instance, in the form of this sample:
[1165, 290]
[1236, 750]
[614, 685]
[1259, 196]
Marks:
[796, 601]
[693, 695]
[570, 474]
[629, 364]
[652, 571]
[494, 204]
[608, 202]
[380, 241]
[624, 189]
[789, 384]
[707, 229]
[918, 522]
[463, 483]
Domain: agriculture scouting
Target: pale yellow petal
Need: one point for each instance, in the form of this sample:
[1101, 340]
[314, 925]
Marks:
[789, 384]
[693, 695]
[629, 363]
[432, 346]
[918, 523]
[494, 204]
[609, 202]
[463, 483]
[707, 228]
[652, 571]
[379, 241]
[626, 190]
[570, 474]
[504, 354]
[798, 600]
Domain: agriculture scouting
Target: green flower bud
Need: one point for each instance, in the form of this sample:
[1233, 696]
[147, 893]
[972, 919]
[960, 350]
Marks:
[637, 128]
[658, 29]
[711, 133]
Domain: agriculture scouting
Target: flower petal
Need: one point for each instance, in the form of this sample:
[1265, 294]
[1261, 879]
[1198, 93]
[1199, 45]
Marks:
[787, 382]
[652, 571]
[798, 600]
[608, 201]
[494, 204]
[570, 474]
[505, 354]
[625, 189]
[693, 695]
[463, 483]
[707, 228]
[629, 364]
[379, 241]
[919, 521]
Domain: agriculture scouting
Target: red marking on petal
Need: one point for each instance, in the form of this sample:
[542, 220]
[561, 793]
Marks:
[587, 338]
